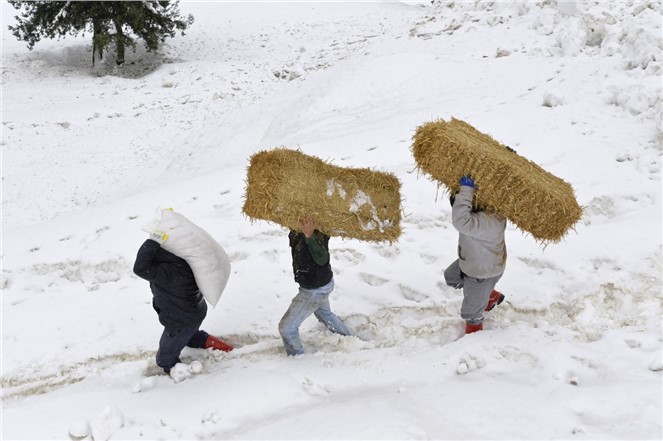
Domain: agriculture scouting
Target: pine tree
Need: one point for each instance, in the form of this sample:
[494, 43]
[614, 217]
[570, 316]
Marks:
[109, 22]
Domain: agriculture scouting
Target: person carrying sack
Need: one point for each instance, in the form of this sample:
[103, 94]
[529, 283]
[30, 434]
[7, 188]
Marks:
[177, 300]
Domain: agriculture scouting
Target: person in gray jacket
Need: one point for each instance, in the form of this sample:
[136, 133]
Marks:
[481, 256]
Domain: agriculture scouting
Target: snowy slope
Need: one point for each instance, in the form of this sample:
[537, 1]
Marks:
[90, 153]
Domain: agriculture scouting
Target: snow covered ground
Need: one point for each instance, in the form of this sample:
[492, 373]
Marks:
[89, 154]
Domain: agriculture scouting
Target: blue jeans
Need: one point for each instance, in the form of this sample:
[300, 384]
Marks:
[306, 302]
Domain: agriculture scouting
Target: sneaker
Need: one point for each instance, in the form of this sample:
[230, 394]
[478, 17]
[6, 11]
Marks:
[470, 328]
[217, 344]
[495, 299]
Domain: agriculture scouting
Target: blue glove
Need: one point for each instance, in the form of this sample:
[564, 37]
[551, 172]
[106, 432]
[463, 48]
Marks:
[467, 181]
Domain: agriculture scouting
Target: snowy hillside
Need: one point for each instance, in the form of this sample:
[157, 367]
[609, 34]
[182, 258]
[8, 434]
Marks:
[89, 153]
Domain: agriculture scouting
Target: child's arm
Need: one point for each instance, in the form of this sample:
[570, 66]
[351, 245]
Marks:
[318, 251]
[144, 267]
[461, 212]
[480, 225]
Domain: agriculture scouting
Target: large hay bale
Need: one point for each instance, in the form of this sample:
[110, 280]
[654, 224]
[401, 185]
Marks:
[533, 199]
[284, 186]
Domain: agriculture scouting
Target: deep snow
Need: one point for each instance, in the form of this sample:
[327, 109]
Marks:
[90, 153]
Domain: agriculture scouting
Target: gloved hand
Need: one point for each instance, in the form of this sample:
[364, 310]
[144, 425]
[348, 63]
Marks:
[467, 181]
[159, 237]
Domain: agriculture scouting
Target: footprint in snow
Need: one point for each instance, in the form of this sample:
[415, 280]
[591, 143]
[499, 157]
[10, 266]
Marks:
[372, 279]
[347, 255]
[412, 294]
[314, 388]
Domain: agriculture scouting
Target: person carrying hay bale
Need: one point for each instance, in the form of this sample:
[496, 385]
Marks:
[284, 185]
[481, 256]
[536, 201]
[313, 273]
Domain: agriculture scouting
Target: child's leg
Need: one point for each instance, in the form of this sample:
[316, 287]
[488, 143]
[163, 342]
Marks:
[202, 340]
[198, 339]
[475, 298]
[301, 307]
[171, 344]
[328, 318]
[453, 275]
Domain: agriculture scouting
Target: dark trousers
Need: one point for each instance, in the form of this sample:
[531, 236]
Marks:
[174, 340]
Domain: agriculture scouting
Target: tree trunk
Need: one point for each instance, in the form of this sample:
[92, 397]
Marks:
[97, 45]
[119, 43]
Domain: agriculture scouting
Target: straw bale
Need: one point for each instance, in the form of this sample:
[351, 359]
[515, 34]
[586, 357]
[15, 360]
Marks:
[536, 201]
[285, 186]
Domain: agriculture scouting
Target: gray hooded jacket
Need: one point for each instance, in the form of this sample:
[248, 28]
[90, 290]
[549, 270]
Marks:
[481, 246]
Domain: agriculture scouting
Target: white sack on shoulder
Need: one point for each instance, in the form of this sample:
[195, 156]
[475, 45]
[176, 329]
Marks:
[207, 259]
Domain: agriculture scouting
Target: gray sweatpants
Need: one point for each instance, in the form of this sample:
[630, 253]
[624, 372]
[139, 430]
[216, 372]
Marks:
[475, 292]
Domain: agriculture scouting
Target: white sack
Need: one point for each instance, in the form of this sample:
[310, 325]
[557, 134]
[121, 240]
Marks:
[207, 259]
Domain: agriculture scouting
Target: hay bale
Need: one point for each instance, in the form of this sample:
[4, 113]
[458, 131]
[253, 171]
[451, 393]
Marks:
[284, 186]
[533, 199]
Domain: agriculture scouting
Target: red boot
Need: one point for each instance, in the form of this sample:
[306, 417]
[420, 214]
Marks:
[470, 328]
[218, 344]
[495, 299]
